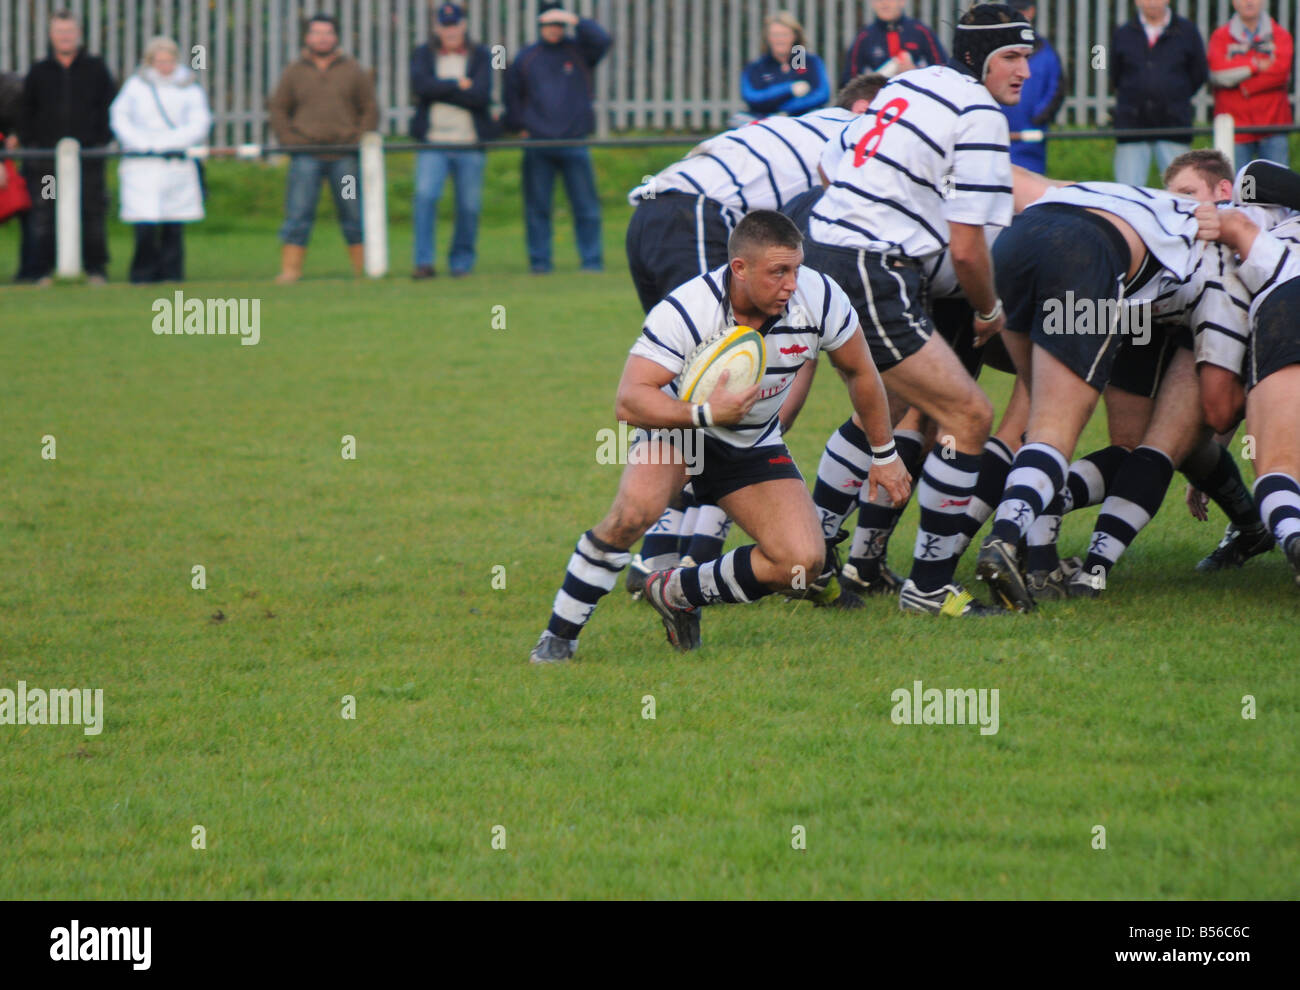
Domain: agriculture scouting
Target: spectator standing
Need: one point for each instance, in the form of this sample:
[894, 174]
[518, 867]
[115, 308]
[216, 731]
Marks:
[1250, 70]
[326, 97]
[160, 108]
[892, 44]
[1040, 98]
[1157, 65]
[66, 94]
[787, 78]
[549, 90]
[451, 80]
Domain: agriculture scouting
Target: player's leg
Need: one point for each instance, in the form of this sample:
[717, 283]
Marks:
[1272, 419]
[934, 381]
[762, 489]
[1141, 484]
[602, 552]
[1212, 469]
[708, 535]
[995, 462]
[867, 571]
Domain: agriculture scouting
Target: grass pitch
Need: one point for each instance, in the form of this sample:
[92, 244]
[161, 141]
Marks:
[380, 578]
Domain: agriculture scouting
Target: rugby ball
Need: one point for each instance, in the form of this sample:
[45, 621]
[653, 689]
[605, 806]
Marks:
[739, 350]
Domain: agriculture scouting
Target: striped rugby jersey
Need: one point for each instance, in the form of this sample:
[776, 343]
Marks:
[1166, 223]
[931, 150]
[1212, 300]
[818, 317]
[760, 166]
[1274, 259]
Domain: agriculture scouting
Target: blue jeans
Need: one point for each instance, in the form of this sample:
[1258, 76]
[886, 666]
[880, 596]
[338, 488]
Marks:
[1133, 160]
[1274, 147]
[303, 190]
[574, 164]
[431, 168]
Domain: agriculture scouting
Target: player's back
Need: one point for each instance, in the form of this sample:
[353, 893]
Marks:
[932, 148]
[760, 166]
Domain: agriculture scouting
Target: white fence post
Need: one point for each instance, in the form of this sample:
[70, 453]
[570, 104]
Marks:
[67, 207]
[1225, 136]
[374, 220]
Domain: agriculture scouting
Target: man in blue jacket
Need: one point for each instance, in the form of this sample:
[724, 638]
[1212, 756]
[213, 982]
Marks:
[451, 80]
[1157, 65]
[1040, 99]
[548, 93]
[892, 44]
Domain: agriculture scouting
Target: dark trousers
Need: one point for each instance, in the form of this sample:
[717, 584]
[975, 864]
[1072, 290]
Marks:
[159, 253]
[36, 258]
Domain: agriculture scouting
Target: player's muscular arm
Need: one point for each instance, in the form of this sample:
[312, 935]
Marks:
[867, 393]
[1028, 187]
[640, 402]
[974, 268]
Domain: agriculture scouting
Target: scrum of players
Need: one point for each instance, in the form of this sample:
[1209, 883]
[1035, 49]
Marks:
[912, 223]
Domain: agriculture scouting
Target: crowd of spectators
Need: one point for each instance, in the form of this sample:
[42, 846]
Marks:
[1158, 62]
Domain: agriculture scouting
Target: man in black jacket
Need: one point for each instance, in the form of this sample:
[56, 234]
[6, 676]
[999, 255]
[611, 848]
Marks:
[1157, 65]
[549, 89]
[452, 80]
[66, 94]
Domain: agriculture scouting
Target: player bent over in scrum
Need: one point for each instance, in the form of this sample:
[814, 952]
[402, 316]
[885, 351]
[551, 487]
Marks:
[745, 467]
[1270, 269]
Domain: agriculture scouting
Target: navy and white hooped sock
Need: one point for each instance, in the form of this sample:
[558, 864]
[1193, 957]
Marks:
[995, 465]
[592, 572]
[944, 493]
[1278, 498]
[710, 534]
[840, 475]
[1042, 554]
[729, 579]
[1090, 478]
[1036, 475]
[876, 521]
[1134, 499]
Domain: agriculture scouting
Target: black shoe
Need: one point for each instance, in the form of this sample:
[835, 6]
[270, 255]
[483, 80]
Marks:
[882, 582]
[1236, 547]
[681, 624]
[424, 271]
[996, 566]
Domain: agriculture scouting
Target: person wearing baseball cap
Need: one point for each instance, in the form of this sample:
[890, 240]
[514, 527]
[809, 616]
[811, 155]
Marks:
[549, 89]
[1040, 100]
[451, 79]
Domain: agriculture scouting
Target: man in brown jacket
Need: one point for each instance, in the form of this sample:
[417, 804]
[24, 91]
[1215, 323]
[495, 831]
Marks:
[325, 97]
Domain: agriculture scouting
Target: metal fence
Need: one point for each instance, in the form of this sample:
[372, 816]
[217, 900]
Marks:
[674, 64]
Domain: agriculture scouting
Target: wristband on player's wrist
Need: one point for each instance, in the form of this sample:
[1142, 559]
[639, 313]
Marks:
[701, 414]
[992, 314]
[884, 455]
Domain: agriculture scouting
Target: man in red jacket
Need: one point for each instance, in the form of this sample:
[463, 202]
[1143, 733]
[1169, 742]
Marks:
[1250, 70]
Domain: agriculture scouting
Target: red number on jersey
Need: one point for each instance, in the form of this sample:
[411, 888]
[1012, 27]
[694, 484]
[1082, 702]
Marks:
[875, 135]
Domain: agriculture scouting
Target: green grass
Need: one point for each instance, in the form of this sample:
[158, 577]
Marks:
[374, 578]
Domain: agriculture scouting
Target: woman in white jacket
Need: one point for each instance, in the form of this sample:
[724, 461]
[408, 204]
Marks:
[160, 108]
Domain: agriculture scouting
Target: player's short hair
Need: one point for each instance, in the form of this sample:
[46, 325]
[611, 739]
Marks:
[64, 14]
[1210, 165]
[763, 229]
[863, 87]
